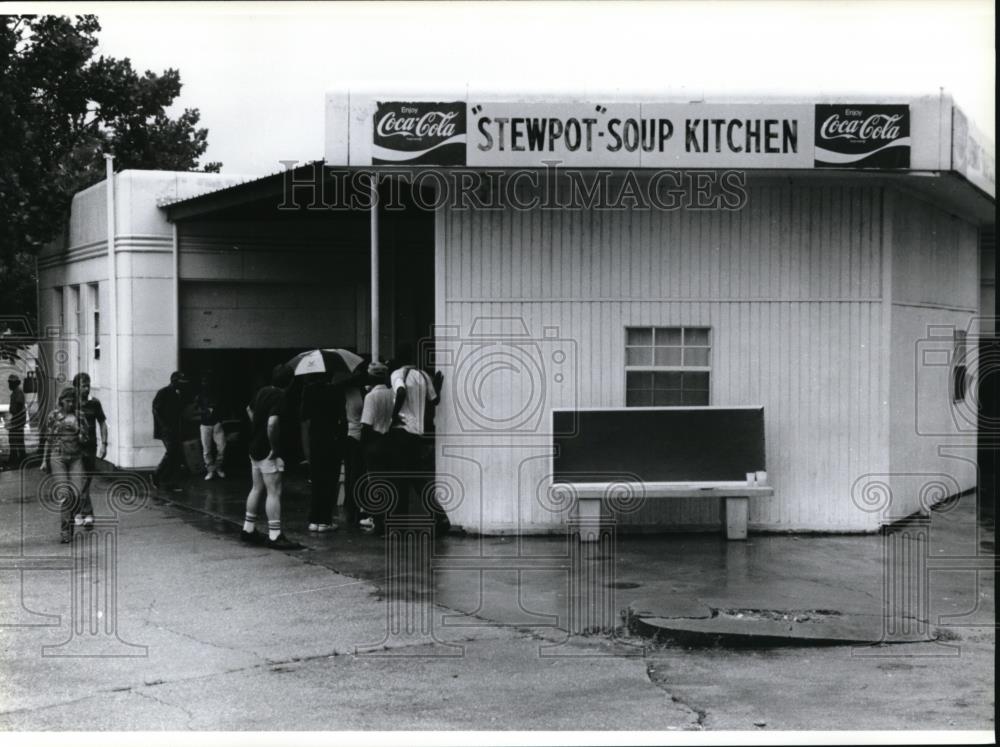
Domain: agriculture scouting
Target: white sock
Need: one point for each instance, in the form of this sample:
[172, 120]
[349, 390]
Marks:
[249, 523]
[273, 529]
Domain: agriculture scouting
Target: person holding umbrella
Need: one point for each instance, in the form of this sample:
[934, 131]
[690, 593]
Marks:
[324, 428]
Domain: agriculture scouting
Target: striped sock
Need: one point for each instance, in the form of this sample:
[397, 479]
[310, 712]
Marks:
[249, 522]
[273, 529]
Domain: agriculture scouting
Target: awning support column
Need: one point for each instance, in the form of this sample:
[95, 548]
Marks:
[374, 268]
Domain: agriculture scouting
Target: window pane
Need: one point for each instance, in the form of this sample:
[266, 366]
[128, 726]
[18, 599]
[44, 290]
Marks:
[695, 398]
[667, 398]
[695, 356]
[696, 335]
[638, 356]
[667, 380]
[638, 398]
[638, 380]
[668, 335]
[668, 356]
[696, 381]
[639, 336]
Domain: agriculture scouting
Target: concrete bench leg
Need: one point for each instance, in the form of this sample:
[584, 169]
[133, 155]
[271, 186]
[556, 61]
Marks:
[737, 510]
[588, 516]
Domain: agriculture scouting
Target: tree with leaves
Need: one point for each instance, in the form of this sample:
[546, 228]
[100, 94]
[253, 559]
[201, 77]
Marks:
[61, 110]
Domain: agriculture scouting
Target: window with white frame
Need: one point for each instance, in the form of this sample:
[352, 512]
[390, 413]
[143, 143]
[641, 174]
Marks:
[95, 325]
[77, 333]
[959, 366]
[74, 309]
[57, 309]
[667, 366]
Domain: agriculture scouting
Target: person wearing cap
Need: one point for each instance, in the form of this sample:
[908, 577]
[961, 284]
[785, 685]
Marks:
[63, 457]
[18, 415]
[168, 413]
[376, 420]
[92, 417]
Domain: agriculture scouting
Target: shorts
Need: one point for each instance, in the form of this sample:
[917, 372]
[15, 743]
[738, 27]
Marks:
[267, 466]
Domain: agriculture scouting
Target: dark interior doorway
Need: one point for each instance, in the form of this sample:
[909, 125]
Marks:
[406, 246]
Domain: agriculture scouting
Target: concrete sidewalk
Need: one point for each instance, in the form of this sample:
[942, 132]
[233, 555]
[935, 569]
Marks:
[836, 581]
[237, 637]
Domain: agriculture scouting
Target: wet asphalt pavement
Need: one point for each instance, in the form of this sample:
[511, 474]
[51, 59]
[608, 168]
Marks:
[467, 632]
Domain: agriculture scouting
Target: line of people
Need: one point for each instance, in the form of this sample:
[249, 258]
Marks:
[374, 427]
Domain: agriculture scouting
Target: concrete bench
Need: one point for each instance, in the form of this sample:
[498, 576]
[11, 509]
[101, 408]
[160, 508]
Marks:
[735, 498]
[646, 453]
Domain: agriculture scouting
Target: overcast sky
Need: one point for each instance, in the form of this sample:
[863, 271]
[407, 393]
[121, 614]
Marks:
[258, 72]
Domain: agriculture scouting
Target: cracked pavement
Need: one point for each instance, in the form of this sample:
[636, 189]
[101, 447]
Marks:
[242, 638]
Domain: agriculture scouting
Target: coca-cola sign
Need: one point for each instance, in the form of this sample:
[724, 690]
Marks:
[862, 136]
[419, 132]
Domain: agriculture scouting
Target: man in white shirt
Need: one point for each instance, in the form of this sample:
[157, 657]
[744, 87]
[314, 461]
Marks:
[413, 389]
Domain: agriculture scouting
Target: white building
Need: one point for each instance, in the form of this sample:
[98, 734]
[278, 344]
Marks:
[837, 296]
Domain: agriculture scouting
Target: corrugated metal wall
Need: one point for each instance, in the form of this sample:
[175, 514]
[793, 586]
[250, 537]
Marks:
[935, 290]
[790, 285]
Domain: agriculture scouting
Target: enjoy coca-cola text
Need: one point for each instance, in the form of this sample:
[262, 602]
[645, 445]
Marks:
[436, 124]
[872, 127]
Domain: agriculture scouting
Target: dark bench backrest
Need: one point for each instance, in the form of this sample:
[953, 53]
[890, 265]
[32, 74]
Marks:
[668, 444]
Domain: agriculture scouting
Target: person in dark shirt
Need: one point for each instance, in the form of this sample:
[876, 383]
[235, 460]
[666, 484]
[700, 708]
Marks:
[18, 419]
[324, 429]
[168, 409]
[91, 413]
[213, 436]
[266, 412]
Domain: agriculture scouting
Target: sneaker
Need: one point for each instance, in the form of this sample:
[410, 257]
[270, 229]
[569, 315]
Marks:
[367, 524]
[78, 520]
[252, 538]
[322, 528]
[281, 542]
[88, 522]
[209, 475]
[220, 473]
